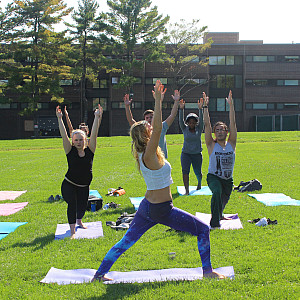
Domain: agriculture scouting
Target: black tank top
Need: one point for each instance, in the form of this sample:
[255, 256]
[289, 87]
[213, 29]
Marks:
[80, 168]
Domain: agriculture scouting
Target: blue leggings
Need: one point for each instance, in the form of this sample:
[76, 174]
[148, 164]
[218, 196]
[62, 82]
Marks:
[165, 213]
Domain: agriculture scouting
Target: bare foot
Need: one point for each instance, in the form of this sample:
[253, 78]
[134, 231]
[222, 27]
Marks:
[225, 218]
[186, 193]
[81, 225]
[73, 236]
[214, 274]
[101, 278]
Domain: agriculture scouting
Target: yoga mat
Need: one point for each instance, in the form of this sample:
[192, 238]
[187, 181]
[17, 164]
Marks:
[7, 209]
[10, 195]
[275, 199]
[93, 231]
[234, 223]
[205, 190]
[3, 235]
[95, 193]
[136, 201]
[85, 275]
[8, 227]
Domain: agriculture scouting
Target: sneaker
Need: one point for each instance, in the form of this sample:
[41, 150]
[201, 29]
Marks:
[51, 198]
[57, 198]
[272, 222]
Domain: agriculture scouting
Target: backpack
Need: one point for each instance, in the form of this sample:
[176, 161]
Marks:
[98, 202]
[249, 186]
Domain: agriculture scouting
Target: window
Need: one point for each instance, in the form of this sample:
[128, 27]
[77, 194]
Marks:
[287, 82]
[96, 84]
[66, 82]
[249, 106]
[220, 104]
[43, 105]
[102, 101]
[227, 81]
[115, 80]
[291, 58]
[137, 80]
[222, 60]
[103, 84]
[150, 80]
[3, 82]
[191, 106]
[121, 105]
[4, 105]
[260, 58]
[260, 106]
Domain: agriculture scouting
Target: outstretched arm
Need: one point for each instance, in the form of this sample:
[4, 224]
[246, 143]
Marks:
[129, 116]
[174, 110]
[181, 121]
[150, 156]
[208, 132]
[62, 129]
[200, 106]
[68, 122]
[232, 126]
[95, 128]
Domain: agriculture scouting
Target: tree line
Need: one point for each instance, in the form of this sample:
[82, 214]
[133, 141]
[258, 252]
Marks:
[35, 56]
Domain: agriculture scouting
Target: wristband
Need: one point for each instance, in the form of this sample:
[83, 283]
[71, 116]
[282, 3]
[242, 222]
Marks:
[205, 106]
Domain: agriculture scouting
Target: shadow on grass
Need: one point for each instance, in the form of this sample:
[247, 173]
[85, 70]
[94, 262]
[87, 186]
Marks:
[126, 290]
[37, 244]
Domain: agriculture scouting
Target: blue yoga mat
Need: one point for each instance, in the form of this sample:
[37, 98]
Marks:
[274, 199]
[3, 235]
[205, 190]
[95, 193]
[8, 227]
[136, 201]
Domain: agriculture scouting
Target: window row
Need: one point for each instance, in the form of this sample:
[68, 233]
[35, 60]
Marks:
[273, 58]
[272, 82]
[272, 106]
[225, 60]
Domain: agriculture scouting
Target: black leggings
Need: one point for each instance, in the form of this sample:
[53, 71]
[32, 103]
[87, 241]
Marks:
[77, 199]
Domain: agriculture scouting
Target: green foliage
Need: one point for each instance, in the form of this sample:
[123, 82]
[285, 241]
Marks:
[34, 60]
[265, 260]
[135, 27]
[184, 46]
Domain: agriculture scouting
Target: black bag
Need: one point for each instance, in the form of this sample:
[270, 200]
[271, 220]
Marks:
[249, 186]
[94, 200]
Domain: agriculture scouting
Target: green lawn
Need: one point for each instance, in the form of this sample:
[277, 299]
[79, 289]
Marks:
[265, 260]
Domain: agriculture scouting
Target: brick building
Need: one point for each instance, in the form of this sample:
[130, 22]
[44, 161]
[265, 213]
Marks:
[264, 79]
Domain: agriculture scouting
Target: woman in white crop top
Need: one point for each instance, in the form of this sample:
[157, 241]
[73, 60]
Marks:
[157, 206]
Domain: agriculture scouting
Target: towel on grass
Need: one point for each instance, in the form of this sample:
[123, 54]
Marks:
[136, 201]
[85, 275]
[234, 223]
[275, 199]
[7, 209]
[93, 231]
[8, 227]
[205, 190]
[10, 195]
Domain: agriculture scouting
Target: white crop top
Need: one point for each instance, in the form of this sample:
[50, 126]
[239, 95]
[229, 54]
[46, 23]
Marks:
[156, 179]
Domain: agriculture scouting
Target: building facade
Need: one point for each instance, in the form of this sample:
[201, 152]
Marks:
[264, 79]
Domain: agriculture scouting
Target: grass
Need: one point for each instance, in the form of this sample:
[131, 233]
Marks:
[265, 260]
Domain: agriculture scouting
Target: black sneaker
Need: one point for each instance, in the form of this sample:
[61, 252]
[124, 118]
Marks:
[57, 198]
[51, 198]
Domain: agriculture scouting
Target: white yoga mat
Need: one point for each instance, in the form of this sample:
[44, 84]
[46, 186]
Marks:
[234, 223]
[85, 275]
[93, 231]
[205, 190]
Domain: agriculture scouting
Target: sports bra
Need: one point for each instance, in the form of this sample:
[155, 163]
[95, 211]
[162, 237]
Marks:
[156, 179]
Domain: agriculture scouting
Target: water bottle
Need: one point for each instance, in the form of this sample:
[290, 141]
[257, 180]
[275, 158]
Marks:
[106, 206]
[93, 206]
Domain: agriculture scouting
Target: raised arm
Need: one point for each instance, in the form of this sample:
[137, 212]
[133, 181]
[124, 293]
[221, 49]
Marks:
[129, 116]
[150, 156]
[62, 129]
[174, 110]
[95, 128]
[207, 126]
[181, 110]
[200, 106]
[232, 125]
[68, 122]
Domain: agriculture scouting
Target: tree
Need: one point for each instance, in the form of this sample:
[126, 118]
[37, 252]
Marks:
[135, 27]
[183, 51]
[36, 60]
[88, 38]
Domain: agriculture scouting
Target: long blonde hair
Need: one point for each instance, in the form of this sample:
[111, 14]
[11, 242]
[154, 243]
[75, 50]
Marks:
[140, 134]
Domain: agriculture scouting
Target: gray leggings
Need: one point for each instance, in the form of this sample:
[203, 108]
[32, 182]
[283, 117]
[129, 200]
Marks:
[192, 159]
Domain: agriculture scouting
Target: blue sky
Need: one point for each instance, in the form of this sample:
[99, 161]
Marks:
[267, 20]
